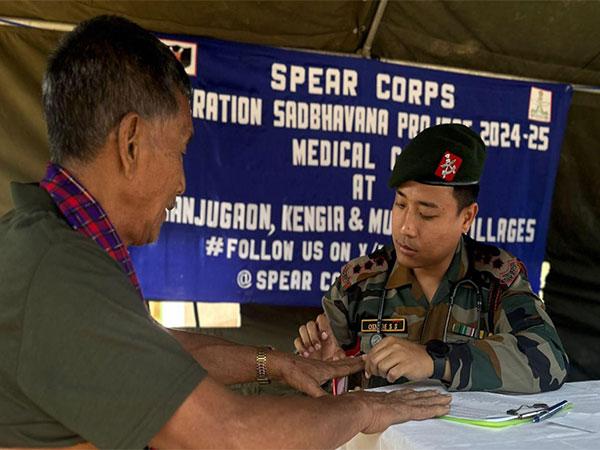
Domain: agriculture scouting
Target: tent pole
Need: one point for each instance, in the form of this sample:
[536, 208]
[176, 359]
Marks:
[33, 23]
[366, 49]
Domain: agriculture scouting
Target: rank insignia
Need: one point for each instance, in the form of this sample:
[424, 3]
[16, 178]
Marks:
[448, 166]
[395, 325]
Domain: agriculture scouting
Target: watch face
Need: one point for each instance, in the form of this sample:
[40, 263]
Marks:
[438, 348]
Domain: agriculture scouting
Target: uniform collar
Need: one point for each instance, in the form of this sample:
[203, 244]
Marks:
[402, 276]
[460, 263]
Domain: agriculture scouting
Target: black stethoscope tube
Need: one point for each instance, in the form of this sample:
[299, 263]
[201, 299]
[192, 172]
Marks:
[378, 336]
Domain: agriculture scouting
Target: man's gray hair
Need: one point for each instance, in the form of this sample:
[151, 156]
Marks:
[105, 68]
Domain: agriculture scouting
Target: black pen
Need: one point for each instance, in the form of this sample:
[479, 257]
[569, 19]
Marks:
[550, 412]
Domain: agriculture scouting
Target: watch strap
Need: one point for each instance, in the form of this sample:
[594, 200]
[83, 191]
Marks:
[262, 376]
[439, 367]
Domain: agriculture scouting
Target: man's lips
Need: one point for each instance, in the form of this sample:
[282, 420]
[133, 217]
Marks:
[407, 249]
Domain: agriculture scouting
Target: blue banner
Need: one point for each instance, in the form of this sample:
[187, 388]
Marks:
[287, 171]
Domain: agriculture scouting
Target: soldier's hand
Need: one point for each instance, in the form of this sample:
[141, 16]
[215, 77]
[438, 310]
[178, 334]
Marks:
[317, 341]
[402, 405]
[307, 375]
[393, 358]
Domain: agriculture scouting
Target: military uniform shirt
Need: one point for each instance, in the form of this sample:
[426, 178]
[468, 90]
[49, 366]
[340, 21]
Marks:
[506, 343]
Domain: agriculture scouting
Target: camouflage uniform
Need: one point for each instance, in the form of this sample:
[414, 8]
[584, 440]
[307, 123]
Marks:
[515, 349]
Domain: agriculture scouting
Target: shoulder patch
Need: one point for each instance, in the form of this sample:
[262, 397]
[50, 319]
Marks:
[497, 262]
[363, 267]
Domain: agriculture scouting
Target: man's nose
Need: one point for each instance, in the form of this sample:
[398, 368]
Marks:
[408, 226]
[181, 186]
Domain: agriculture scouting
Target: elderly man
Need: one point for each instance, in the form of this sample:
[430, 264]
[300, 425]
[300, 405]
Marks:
[82, 359]
[437, 304]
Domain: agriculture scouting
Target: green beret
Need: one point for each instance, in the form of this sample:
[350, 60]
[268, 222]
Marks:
[445, 155]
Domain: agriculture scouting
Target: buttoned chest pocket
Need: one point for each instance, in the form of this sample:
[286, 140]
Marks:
[459, 332]
[468, 317]
[466, 325]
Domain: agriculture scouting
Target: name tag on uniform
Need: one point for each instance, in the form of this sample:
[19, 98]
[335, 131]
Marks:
[395, 325]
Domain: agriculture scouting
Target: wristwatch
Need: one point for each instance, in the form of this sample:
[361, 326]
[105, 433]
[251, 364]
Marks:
[262, 375]
[438, 350]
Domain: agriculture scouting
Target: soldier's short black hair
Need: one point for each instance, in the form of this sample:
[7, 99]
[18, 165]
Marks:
[465, 195]
[105, 68]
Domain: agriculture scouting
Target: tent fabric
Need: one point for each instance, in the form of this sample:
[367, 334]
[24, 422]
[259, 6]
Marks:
[23, 139]
[557, 40]
[573, 249]
[332, 25]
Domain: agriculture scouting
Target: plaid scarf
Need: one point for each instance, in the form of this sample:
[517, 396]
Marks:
[84, 214]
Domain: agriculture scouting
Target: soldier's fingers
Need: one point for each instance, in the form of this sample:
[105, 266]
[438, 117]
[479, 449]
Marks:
[386, 342]
[324, 326]
[301, 349]
[397, 371]
[313, 334]
[390, 361]
[380, 351]
[305, 339]
[383, 366]
[373, 369]
[374, 357]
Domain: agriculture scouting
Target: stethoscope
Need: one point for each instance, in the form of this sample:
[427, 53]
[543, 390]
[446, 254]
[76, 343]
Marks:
[378, 336]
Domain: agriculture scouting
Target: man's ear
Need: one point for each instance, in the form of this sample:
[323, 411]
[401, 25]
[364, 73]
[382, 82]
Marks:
[128, 143]
[469, 214]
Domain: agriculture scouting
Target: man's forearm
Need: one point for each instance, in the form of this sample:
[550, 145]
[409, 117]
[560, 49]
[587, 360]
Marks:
[215, 417]
[293, 422]
[225, 361]
[232, 363]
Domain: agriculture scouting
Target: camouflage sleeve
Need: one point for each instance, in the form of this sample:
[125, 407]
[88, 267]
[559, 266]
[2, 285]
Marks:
[335, 305]
[524, 354]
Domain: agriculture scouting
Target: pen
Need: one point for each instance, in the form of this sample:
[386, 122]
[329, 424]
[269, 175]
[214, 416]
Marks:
[550, 412]
[531, 414]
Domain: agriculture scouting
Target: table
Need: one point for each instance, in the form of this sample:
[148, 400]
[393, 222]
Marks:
[578, 428]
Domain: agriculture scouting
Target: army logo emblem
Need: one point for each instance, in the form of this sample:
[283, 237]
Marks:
[448, 166]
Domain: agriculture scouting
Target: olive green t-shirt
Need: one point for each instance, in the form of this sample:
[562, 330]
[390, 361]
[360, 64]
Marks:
[81, 359]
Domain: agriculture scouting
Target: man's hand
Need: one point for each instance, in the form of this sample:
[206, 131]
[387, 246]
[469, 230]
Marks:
[307, 375]
[393, 358]
[317, 341]
[402, 405]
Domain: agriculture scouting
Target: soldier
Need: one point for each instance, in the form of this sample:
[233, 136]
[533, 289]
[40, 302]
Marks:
[438, 304]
